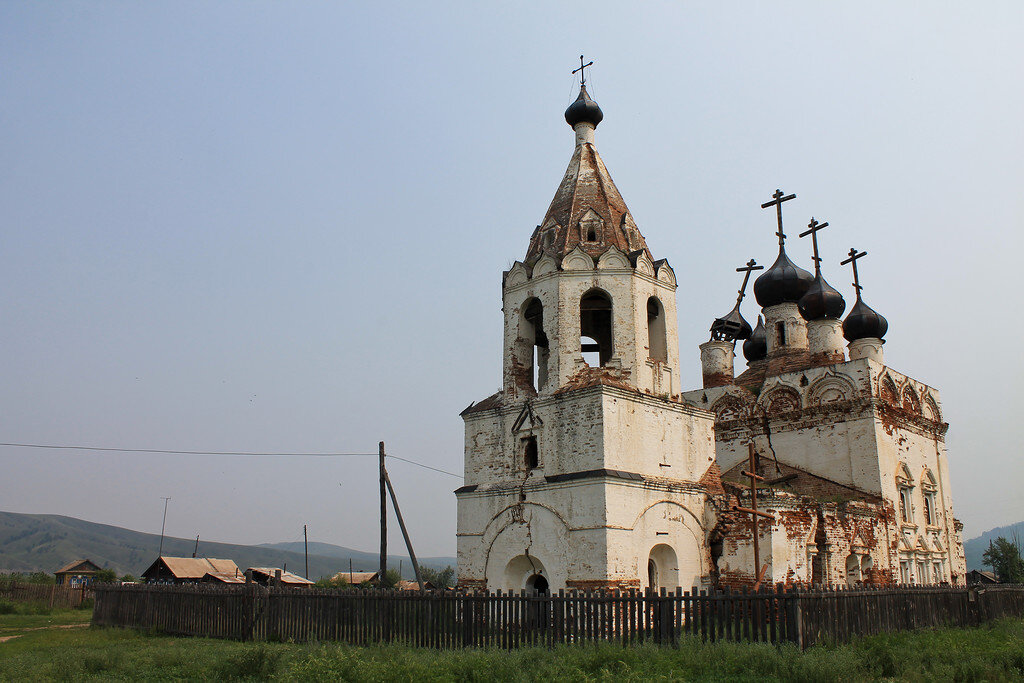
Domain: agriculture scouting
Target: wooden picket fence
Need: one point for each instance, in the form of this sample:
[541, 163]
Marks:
[510, 620]
[49, 594]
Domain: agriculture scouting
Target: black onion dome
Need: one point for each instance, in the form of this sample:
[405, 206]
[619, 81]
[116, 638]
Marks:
[730, 326]
[756, 347]
[821, 301]
[584, 110]
[783, 282]
[864, 322]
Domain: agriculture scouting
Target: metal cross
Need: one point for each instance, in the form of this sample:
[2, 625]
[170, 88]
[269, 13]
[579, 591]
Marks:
[583, 74]
[751, 265]
[777, 200]
[813, 228]
[854, 255]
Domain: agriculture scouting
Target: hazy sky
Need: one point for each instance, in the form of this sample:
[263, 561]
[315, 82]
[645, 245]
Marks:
[255, 226]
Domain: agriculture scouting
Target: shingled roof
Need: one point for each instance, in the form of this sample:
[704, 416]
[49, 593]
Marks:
[586, 195]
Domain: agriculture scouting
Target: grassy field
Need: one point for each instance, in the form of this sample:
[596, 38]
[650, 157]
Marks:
[991, 653]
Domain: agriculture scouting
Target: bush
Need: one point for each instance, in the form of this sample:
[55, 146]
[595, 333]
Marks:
[7, 607]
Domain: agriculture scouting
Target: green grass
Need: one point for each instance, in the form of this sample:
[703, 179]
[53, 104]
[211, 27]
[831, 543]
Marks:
[990, 653]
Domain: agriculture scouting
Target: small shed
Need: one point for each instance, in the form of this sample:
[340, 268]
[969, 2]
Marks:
[192, 570]
[77, 573]
[977, 576]
[265, 577]
[404, 585]
[357, 578]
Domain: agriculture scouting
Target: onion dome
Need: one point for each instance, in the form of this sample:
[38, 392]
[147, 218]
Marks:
[756, 347]
[864, 322]
[783, 282]
[821, 301]
[584, 110]
[731, 326]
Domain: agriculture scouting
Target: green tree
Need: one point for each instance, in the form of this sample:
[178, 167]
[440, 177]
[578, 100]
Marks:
[391, 578]
[128, 578]
[440, 579]
[1004, 557]
[105, 576]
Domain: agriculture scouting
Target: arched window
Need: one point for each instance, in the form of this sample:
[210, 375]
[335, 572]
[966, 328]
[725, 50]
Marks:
[596, 323]
[533, 337]
[905, 487]
[853, 576]
[929, 489]
[656, 344]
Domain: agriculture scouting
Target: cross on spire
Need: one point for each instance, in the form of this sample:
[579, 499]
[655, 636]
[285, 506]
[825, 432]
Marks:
[583, 74]
[813, 227]
[854, 255]
[751, 266]
[777, 200]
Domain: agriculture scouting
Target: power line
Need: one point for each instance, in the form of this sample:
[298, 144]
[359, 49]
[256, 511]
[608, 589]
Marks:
[163, 451]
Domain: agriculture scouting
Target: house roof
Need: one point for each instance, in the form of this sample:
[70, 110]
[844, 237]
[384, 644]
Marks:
[286, 577]
[413, 586]
[356, 578]
[79, 567]
[194, 567]
[224, 578]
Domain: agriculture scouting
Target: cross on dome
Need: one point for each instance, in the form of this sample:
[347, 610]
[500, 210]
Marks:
[813, 227]
[583, 74]
[777, 200]
[854, 255]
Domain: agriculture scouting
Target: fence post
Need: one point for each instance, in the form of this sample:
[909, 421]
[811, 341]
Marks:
[665, 635]
[794, 619]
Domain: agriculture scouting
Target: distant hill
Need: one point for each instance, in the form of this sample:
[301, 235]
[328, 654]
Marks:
[47, 542]
[976, 547]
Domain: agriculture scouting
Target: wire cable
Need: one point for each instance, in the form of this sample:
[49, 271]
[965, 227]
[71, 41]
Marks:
[163, 451]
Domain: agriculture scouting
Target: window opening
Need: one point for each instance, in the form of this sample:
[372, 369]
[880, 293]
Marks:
[533, 335]
[780, 333]
[906, 509]
[596, 325]
[904, 571]
[657, 347]
[852, 570]
[929, 508]
[652, 574]
[531, 457]
[591, 234]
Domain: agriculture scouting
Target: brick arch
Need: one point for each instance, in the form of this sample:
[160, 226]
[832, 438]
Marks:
[781, 399]
[931, 409]
[888, 391]
[729, 407]
[830, 389]
[909, 400]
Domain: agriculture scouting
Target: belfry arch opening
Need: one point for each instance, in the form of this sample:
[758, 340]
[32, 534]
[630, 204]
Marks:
[656, 343]
[596, 326]
[536, 342]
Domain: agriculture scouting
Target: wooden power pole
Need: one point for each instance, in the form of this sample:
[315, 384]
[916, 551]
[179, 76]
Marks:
[305, 547]
[383, 518]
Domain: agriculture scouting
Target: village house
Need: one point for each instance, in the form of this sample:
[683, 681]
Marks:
[77, 573]
[193, 570]
[593, 468]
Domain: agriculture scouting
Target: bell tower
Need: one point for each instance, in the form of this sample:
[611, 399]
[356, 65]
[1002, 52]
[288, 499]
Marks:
[585, 470]
[588, 301]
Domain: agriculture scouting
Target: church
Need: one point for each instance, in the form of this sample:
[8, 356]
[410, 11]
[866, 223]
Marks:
[592, 468]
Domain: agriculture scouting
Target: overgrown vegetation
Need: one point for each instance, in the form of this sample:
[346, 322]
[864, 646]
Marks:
[1003, 555]
[991, 653]
[34, 577]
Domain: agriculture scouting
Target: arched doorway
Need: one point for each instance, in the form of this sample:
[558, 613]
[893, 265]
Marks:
[537, 584]
[662, 568]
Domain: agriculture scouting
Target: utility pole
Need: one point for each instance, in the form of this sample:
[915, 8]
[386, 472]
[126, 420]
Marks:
[383, 518]
[305, 545]
[405, 532]
[195, 551]
[162, 527]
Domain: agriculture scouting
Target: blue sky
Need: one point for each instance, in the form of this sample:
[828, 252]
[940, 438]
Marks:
[256, 226]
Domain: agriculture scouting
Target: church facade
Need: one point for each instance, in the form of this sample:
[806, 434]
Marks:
[593, 468]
